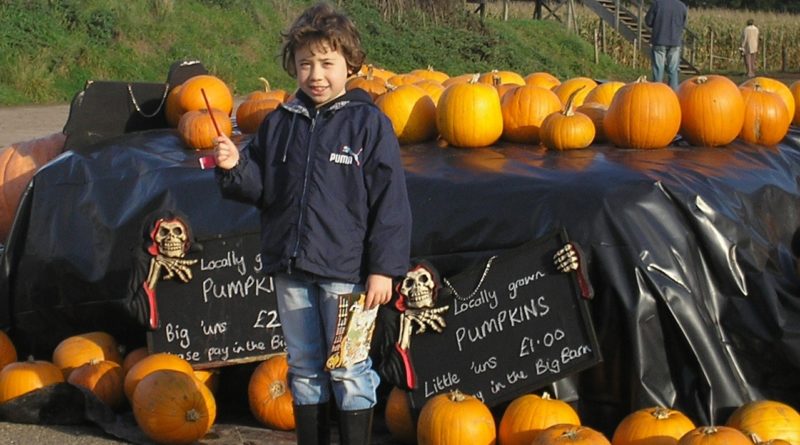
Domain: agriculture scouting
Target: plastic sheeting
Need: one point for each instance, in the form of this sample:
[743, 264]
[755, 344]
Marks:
[690, 250]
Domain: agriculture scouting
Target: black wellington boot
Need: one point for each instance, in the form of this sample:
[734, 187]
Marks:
[355, 427]
[312, 424]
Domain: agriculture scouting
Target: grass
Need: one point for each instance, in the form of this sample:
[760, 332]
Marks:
[50, 48]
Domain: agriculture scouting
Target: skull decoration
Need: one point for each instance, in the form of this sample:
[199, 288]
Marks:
[418, 287]
[172, 238]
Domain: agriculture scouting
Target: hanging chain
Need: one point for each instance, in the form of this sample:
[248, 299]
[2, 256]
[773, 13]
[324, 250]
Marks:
[477, 286]
[136, 104]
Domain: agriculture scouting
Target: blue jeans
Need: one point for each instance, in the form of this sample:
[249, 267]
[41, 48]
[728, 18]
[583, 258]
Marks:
[308, 306]
[671, 56]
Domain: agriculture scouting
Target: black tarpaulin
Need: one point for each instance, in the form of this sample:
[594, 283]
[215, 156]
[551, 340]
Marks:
[690, 251]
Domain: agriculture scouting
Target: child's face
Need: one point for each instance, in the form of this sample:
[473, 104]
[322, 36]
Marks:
[321, 72]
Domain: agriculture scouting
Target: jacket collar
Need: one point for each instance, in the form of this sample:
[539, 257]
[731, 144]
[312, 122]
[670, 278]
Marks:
[302, 104]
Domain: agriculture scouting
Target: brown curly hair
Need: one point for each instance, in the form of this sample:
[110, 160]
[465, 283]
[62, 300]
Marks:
[319, 25]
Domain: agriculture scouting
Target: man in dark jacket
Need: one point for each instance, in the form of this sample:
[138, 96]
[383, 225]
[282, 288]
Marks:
[667, 19]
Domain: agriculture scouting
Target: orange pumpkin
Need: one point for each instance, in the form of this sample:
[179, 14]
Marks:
[766, 119]
[795, 90]
[197, 129]
[368, 82]
[190, 97]
[461, 78]
[133, 357]
[404, 79]
[103, 378]
[267, 93]
[411, 111]
[714, 435]
[250, 113]
[654, 426]
[712, 110]
[469, 114]
[542, 79]
[528, 415]
[8, 352]
[596, 112]
[209, 377]
[20, 378]
[566, 434]
[581, 84]
[524, 109]
[18, 163]
[433, 88]
[173, 110]
[381, 73]
[76, 350]
[603, 93]
[152, 363]
[269, 396]
[504, 76]
[455, 419]
[567, 130]
[768, 419]
[431, 74]
[644, 115]
[398, 418]
[173, 407]
[777, 87]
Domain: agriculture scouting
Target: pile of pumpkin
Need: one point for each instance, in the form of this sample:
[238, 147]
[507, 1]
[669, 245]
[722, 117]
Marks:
[458, 419]
[171, 402]
[477, 110]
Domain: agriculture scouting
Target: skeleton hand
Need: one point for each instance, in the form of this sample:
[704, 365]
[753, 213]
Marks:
[175, 267]
[566, 259]
[427, 317]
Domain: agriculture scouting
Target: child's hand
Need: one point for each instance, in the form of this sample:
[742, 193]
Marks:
[226, 154]
[379, 290]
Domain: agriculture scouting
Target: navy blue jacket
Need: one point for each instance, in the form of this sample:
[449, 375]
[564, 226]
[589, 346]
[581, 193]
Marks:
[331, 189]
[667, 18]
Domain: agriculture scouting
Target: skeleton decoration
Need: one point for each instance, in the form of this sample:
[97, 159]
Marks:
[418, 291]
[570, 258]
[170, 244]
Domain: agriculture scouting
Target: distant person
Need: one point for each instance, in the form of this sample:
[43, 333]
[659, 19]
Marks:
[749, 48]
[667, 19]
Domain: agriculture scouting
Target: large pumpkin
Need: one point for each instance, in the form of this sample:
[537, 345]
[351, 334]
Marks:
[768, 419]
[597, 113]
[219, 96]
[567, 130]
[542, 79]
[583, 85]
[528, 415]
[455, 418]
[76, 350]
[501, 77]
[18, 163]
[250, 113]
[777, 87]
[133, 357]
[431, 74]
[653, 426]
[565, 434]
[712, 110]
[398, 418]
[197, 129]
[20, 378]
[524, 109]
[8, 352]
[644, 115]
[103, 378]
[469, 114]
[603, 93]
[766, 118]
[269, 396]
[411, 111]
[173, 407]
[151, 363]
[714, 435]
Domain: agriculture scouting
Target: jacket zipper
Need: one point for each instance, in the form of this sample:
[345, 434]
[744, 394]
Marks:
[304, 191]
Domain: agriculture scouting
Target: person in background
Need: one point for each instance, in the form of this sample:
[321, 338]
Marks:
[667, 19]
[325, 171]
[749, 48]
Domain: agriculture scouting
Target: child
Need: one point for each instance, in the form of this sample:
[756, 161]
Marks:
[325, 171]
[749, 48]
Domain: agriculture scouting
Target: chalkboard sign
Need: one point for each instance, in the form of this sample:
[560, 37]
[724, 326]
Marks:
[226, 314]
[514, 324]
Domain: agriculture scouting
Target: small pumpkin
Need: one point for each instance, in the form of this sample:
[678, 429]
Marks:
[20, 378]
[567, 130]
[581, 84]
[766, 118]
[566, 434]
[469, 114]
[794, 88]
[411, 111]
[250, 113]
[528, 415]
[768, 419]
[431, 74]
[173, 407]
[398, 418]
[133, 357]
[596, 112]
[524, 109]
[643, 115]
[542, 79]
[603, 93]
[209, 377]
[8, 352]
[777, 87]
[76, 350]
[505, 77]
[103, 378]
[173, 110]
[433, 88]
[714, 435]
[461, 78]
[404, 79]
[197, 129]
[712, 110]
[654, 426]
[368, 82]
[268, 394]
[455, 418]
[152, 363]
[267, 93]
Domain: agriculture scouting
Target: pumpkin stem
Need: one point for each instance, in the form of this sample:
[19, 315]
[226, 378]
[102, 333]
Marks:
[496, 80]
[457, 396]
[277, 389]
[701, 79]
[430, 67]
[475, 78]
[568, 109]
[570, 434]
[546, 396]
[641, 79]
[709, 430]
[192, 415]
[754, 438]
[267, 88]
[661, 413]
